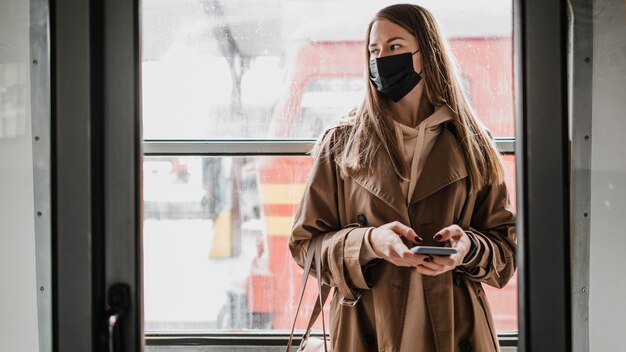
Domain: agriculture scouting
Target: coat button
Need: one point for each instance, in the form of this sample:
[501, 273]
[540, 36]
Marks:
[361, 219]
[466, 346]
[458, 279]
[370, 340]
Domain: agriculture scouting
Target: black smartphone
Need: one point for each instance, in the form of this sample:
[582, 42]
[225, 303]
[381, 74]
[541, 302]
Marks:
[429, 250]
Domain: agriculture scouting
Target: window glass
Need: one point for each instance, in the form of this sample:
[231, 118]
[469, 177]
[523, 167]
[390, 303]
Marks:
[216, 228]
[323, 101]
[215, 244]
[503, 301]
[214, 69]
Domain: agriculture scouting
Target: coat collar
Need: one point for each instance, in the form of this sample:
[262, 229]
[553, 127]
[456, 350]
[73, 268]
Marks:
[444, 165]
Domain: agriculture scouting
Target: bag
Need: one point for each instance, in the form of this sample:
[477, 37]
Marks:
[312, 344]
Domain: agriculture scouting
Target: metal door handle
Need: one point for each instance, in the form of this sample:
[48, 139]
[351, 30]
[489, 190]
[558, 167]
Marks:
[113, 318]
[118, 298]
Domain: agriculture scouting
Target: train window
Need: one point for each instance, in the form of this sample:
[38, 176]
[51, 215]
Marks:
[215, 244]
[215, 241]
[504, 301]
[216, 226]
[324, 102]
[231, 69]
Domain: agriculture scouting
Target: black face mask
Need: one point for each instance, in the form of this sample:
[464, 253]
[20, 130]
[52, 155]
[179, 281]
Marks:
[394, 75]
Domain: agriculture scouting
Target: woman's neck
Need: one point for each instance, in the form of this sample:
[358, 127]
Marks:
[412, 109]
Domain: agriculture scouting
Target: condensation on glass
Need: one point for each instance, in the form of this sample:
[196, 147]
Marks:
[216, 228]
[215, 241]
[215, 69]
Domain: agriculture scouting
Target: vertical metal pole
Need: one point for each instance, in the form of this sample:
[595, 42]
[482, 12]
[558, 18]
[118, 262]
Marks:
[122, 161]
[72, 176]
[40, 115]
[580, 92]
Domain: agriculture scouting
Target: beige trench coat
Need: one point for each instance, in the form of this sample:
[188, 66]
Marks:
[368, 308]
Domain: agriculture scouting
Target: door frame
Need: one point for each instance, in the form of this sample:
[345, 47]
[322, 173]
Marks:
[96, 172]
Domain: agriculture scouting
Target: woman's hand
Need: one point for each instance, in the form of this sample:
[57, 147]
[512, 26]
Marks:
[387, 243]
[458, 239]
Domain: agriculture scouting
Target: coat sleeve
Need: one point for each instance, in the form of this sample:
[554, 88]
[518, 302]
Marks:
[492, 228]
[318, 215]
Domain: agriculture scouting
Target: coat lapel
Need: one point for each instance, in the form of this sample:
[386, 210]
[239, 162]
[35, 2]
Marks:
[444, 165]
[382, 181]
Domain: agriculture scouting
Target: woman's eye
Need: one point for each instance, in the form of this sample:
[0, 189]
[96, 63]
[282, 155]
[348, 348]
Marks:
[394, 46]
[374, 52]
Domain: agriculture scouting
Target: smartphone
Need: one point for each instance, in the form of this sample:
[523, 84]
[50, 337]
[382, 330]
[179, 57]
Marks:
[428, 250]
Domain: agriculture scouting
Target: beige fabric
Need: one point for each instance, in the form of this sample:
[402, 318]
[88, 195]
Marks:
[415, 144]
[367, 253]
[417, 330]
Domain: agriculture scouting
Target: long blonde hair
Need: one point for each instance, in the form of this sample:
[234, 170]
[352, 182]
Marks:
[371, 125]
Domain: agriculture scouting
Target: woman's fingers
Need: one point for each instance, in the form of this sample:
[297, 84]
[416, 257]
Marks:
[404, 257]
[447, 233]
[387, 241]
[407, 257]
[426, 271]
[430, 264]
[436, 265]
[389, 246]
[405, 231]
[447, 261]
[456, 238]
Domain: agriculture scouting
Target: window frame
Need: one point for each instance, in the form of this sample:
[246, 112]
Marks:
[253, 147]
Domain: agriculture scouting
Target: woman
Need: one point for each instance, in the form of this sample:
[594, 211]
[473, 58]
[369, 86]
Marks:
[412, 166]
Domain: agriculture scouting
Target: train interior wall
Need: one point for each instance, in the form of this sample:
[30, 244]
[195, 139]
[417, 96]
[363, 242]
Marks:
[18, 303]
[607, 306]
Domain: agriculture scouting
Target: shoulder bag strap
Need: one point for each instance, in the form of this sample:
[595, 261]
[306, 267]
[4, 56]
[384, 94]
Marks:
[314, 247]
